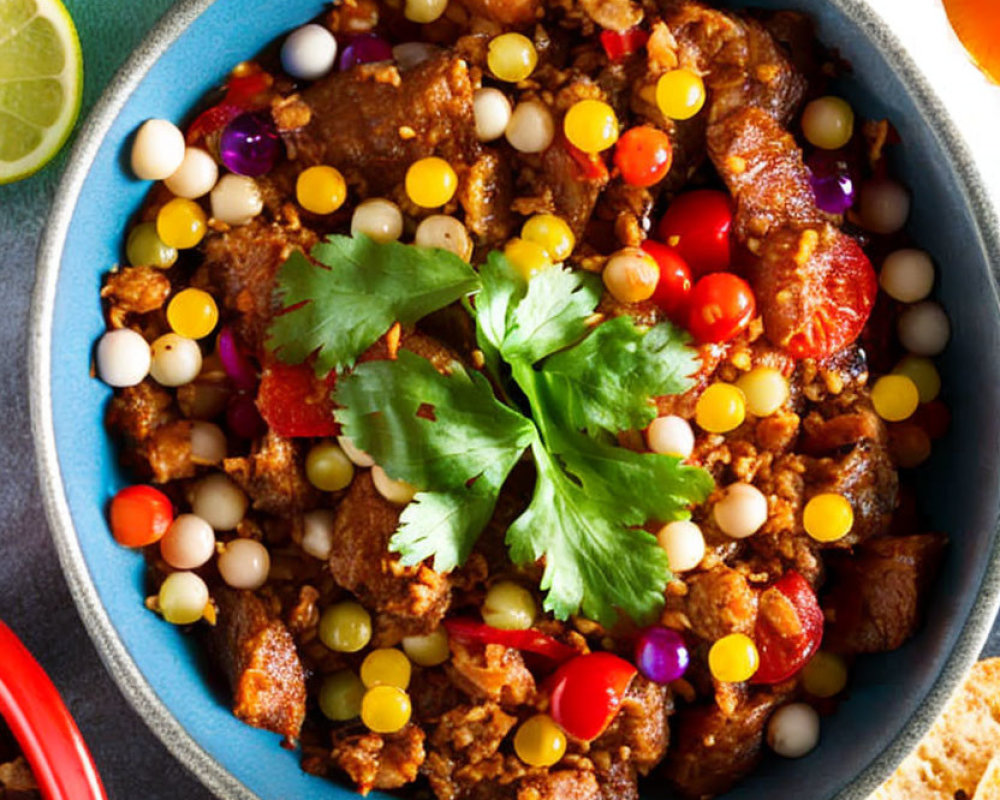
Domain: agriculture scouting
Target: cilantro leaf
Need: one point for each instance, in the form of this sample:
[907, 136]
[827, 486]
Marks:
[502, 289]
[359, 289]
[606, 382]
[593, 562]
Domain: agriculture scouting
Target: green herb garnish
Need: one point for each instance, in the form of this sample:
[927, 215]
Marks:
[453, 438]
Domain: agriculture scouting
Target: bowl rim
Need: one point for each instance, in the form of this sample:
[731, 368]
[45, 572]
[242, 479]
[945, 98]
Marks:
[112, 651]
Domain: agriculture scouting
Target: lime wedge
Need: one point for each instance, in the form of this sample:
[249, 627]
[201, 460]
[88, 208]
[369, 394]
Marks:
[41, 82]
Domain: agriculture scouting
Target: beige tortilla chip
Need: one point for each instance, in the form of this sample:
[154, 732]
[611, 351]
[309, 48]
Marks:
[954, 755]
[989, 784]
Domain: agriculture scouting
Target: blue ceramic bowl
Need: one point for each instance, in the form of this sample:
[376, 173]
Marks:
[895, 696]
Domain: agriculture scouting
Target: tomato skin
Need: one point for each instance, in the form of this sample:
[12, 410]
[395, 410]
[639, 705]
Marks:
[140, 515]
[673, 291]
[644, 155]
[721, 305]
[782, 656]
[294, 402]
[587, 692]
[697, 224]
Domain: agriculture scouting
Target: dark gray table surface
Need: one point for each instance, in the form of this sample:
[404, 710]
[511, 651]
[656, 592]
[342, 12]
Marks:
[34, 599]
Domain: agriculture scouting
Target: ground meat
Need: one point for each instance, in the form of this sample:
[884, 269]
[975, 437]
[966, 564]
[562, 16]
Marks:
[491, 671]
[505, 12]
[17, 782]
[719, 602]
[395, 120]
[374, 761]
[615, 15]
[134, 290]
[569, 784]
[239, 270]
[824, 436]
[168, 452]
[273, 476]
[464, 749]
[136, 411]
[877, 593]
[257, 654]
[641, 725]
[416, 598]
[713, 751]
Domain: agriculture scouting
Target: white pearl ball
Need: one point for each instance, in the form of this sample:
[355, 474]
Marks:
[398, 492]
[196, 176]
[123, 358]
[684, 544]
[446, 233]
[176, 361]
[309, 52]
[907, 275]
[884, 206]
[493, 111]
[244, 564]
[188, 543]
[219, 501]
[358, 456]
[317, 533]
[412, 54]
[158, 150]
[531, 128]
[208, 443]
[741, 512]
[793, 730]
[378, 218]
[236, 200]
[670, 436]
[924, 329]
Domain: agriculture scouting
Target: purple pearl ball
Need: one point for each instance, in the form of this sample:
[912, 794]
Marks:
[250, 145]
[831, 180]
[365, 49]
[243, 419]
[661, 655]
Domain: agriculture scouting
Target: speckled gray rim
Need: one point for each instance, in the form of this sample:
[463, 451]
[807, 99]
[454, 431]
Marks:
[113, 652]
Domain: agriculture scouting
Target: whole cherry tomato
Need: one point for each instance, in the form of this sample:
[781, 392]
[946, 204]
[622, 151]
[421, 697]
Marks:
[720, 306]
[789, 628]
[294, 402]
[587, 692]
[674, 288]
[643, 155]
[140, 515]
[697, 224]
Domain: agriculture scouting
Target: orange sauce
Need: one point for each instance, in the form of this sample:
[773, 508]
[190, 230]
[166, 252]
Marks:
[977, 23]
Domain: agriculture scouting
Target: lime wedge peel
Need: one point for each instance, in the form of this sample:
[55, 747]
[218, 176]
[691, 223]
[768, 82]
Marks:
[41, 84]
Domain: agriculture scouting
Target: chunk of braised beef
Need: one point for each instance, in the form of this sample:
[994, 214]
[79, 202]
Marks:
[273, 476]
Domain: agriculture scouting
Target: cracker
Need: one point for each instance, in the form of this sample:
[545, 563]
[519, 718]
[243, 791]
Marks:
[955, 754]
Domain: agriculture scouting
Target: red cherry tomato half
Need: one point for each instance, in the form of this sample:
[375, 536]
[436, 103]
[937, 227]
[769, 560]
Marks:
[720, 306]
[140, 515]
[587, 692]
[697, 224]
[643, 155]
[673, 291]
[789, 628]
[294, 402]
[620, 46]
[817, 290]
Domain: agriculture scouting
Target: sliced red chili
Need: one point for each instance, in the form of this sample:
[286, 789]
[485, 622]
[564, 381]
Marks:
[620, 45]
[789, 628]
[464, 629]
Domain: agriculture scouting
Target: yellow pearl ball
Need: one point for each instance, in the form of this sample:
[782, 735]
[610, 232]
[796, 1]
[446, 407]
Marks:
[591, 126]
[720, 409]
[895, 397]
[431, 182]
[385, 709]
[430, 650]
[386, 667]
[509, 606]
[680, 94]
[512, 57]
[345, 627]
[552, 233]
[828, 122]
[825, 675]
[828, 517]
[340, 696]
[733, 658]
[193, 314]
[923, 373]
[328, 468]
[540, 742]
[181, 224]
[321, 190]
[765, 390]
[528, 258]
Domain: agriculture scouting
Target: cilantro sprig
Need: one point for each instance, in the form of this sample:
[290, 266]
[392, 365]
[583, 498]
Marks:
[450, 435]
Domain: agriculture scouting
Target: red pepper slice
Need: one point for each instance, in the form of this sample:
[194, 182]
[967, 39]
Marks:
[620, 46]
[789, 628]
[294, 402]
[241, 95]
[464, 629]
[587, 693]
[591, 166]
